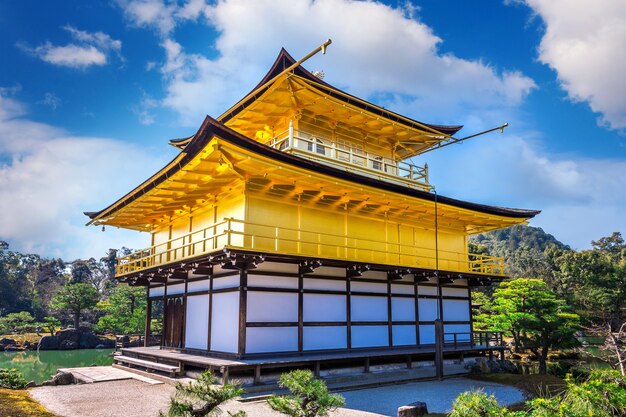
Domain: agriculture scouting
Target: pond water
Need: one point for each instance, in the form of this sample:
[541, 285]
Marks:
[40, 366]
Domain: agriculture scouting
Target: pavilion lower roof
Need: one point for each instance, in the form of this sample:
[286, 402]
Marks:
[219, 161]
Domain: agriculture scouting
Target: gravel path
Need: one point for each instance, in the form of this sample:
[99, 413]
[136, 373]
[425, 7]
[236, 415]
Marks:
[139, 399]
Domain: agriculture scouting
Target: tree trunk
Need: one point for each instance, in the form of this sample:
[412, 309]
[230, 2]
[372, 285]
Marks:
[76, 319]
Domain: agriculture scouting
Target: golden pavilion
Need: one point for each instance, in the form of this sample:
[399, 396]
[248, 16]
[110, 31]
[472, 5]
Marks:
[294, 229]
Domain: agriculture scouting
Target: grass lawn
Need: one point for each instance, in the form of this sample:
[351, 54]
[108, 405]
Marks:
[19, 403]
[534, 385]
[25, 337]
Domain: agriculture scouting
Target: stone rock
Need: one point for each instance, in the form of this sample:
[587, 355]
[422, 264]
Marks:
[68, 345]
[1, 348]
[487, 366]
[49, 343]
[7, 342]
[416, 409]
[31, 384]
[69, 334]
[107, 343]
[88, 341]
[60, 378]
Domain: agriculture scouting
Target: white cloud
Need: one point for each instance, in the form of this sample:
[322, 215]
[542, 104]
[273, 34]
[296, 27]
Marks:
[584, 43]
[581, 198]
[51, 100]
[88, 49]
[48, 177]
[159, 14]
[143, 110]
[376, 50]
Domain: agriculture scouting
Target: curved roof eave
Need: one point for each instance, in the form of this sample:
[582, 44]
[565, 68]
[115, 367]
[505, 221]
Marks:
[211, 127]
[284, 60]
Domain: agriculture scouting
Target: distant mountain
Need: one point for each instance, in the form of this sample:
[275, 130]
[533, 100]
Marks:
[507, 241]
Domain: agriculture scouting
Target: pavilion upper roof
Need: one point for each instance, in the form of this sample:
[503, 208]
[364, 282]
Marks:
[217, 157]
[299, 93]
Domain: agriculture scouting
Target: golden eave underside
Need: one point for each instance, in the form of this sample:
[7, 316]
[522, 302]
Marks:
[292, 96]
[222, 170]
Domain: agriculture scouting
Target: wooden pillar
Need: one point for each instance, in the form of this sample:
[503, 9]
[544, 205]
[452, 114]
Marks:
[148, 318]
[243, 308]
[439, 348]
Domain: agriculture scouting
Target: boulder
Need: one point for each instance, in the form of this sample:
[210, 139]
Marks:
[49, 343]
[106, 343]
[60, 378]
[7, 342]
[88, 341]
[69, 334]
[492, 366]
[68, 345]
[416, 409]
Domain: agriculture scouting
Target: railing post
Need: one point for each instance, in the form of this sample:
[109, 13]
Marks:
[228, 231]
[291, 140]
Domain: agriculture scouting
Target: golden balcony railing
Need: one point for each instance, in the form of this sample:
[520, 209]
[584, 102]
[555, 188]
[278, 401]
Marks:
[350, 157]
[239, 234]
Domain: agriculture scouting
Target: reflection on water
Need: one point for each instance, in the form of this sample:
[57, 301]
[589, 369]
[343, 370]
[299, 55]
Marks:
[40, 366]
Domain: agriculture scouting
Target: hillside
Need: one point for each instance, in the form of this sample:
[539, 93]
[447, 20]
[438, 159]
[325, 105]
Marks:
[507, 241]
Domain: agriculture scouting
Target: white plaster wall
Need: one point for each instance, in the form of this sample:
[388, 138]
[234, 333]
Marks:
[271, 306]
[324, 337]
[324, 284]
[267, 281]
[375, 275]
[454, 292]
[368, 287]
[157, 291]
[197, 286]
[364, 308]
[462, 329]
[370, 336]
[404, 335]
[402, 309]
[456, 310]
[401, 289]
[225, 324]
[271, 339]
[428, 309]
[330, 271]
[424, 290]
[226, 282]
[427, 334]
[324, 307]
[197, 322]
[277, 267]
[175, 289]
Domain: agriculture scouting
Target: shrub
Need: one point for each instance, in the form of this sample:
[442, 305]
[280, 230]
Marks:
[202, 398]
[12, 378]
[602, 395]
[21, 322]
[477, 404]
[309, 396]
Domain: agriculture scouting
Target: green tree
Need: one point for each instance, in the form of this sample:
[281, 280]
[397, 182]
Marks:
[593, 284]
[76, 298]
[309, 396]
[533, 315]
[125, 310]
[16, 322]
[201, 398]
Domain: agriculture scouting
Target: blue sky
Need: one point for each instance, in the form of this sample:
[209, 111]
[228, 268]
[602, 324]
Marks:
[90, 92]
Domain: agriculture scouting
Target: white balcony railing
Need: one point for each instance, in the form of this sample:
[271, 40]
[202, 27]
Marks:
[349, 157]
